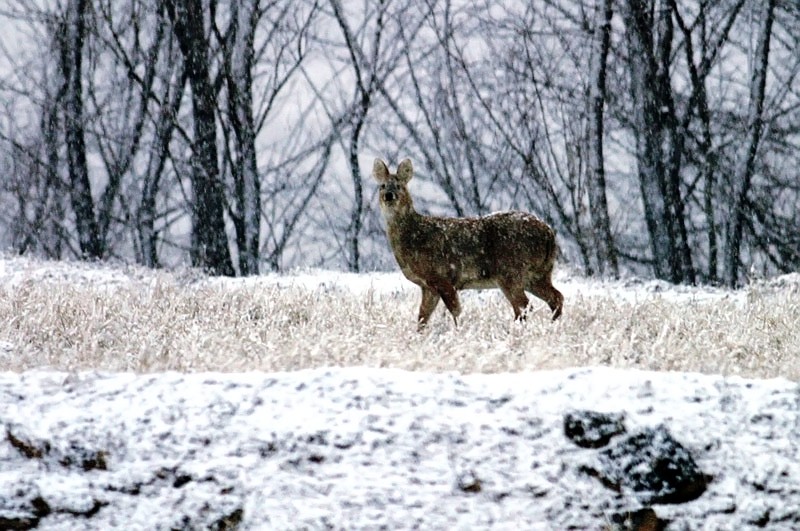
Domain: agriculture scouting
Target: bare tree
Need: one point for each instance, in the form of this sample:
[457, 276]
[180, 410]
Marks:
[37, 219]
[365, 70]
[165, 122]
[119, 136]
[72, 39]
[658, 142]
[209, 240]
[745, 166]
[238, 64]
[704, 155]
[297, 161]
[603, 239]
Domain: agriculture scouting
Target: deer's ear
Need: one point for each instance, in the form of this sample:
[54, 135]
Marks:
[380, 171]
[405, 171]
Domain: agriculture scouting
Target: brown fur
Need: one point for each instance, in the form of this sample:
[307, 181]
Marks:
[513, 251]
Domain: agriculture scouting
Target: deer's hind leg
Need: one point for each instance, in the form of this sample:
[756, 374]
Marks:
[515, 293]
[430, 299]
[445, 289]
[543, 288]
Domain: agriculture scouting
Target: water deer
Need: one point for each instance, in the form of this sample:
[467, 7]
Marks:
[513, 251]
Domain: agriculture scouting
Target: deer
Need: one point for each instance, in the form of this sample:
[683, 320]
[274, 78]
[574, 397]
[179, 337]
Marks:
[511, 250]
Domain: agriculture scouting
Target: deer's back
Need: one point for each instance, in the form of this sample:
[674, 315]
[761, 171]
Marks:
[473, 252]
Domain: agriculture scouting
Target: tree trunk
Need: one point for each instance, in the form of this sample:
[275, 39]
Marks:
[209, 241]
[603, 241]
[698, 72]
[672, 148]
[56, 210]
[709, 166]
[647, 125]
[165, 125]
[239, 83]
[358, 191]
[365, 88]
[745, 165]
[80, 189]
[659, 143]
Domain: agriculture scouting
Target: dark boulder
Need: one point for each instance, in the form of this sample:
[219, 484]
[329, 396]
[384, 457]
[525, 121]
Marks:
[653, 466]
[590, 429]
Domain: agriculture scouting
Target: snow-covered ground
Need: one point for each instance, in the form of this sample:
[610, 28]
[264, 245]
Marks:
[367, 449]
[357, 448]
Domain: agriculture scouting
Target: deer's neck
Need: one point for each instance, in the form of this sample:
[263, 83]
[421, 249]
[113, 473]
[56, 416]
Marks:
[400, 221]
[401, 216]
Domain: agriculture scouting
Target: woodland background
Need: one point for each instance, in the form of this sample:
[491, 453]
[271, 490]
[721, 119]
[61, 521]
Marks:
[659, 138]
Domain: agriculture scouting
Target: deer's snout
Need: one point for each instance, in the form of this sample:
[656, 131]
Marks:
[389, 193]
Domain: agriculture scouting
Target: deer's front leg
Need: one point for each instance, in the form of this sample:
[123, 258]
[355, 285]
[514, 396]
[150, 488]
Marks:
[449, 295]
[515, 293]
[430, 299]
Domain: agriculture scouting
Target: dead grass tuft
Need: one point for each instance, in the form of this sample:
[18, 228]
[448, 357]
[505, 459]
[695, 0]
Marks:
[169, 324]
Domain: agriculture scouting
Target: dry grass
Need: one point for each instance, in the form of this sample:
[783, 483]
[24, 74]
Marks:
[167, 324]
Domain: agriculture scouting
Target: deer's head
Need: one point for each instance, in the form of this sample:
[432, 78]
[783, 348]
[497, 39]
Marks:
[394, 196]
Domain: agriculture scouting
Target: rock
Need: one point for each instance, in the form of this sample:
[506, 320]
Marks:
[84, 458]
[28, 447]
[21, 503]
[642, 520]
[74, 455]
[468, 482]
[230, 521]
[590, 429]
[653, 466]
